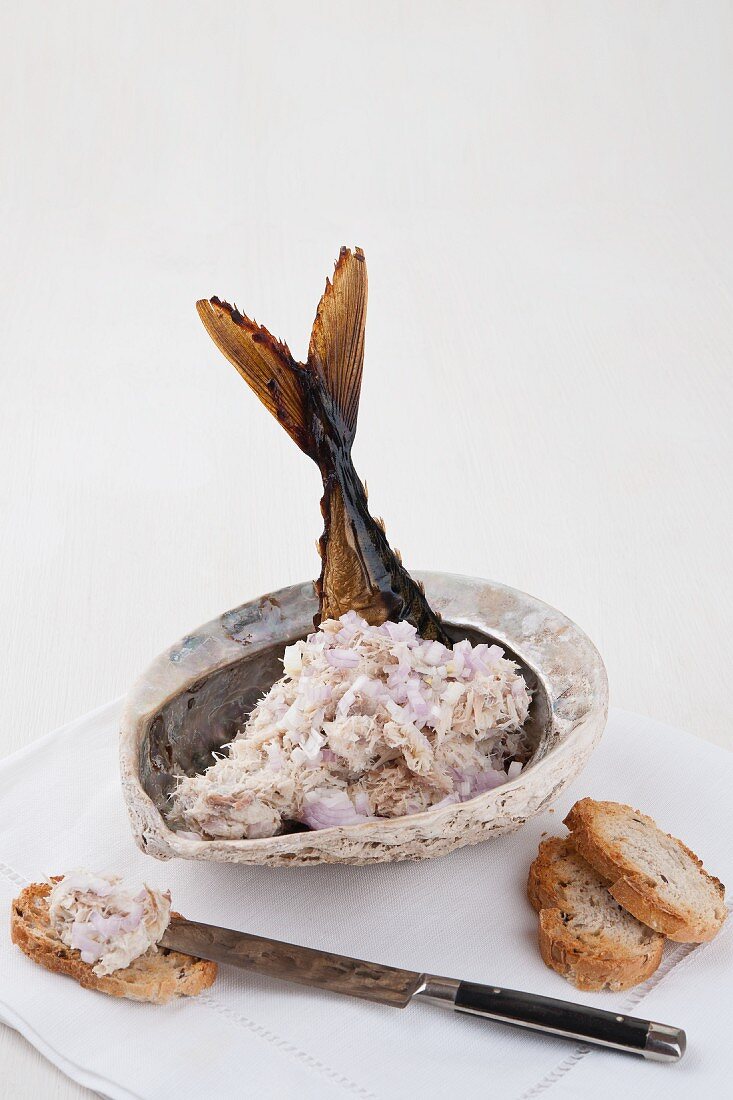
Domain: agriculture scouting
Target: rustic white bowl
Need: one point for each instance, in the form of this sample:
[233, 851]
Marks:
[193, 697]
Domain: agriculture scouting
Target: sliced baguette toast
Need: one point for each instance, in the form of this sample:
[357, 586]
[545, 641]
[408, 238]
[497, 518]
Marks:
[583, 933]
[155, 977]
[653, 875]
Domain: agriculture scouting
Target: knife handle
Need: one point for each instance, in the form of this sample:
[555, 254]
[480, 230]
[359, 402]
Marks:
[658, 1042]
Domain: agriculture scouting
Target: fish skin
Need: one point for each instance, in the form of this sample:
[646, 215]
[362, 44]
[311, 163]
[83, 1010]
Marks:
[317, 403]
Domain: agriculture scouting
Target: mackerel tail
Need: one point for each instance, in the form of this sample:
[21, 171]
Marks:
[317, 403]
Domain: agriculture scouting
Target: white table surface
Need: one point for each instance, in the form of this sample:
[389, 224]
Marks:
[543, 194]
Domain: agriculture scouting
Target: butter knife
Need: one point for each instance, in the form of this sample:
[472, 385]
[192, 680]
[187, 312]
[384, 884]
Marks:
[389, 985]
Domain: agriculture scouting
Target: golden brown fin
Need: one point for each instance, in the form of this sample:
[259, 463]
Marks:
[336, 348]
[317, 403]
[264, 362]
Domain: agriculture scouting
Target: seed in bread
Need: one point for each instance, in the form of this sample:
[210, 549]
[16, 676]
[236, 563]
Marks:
[652, 874]
[156, 977]
[583, 933]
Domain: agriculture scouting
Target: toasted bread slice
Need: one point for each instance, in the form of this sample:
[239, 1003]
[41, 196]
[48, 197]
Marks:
[156, 977]
[584, 934]
[652, 874]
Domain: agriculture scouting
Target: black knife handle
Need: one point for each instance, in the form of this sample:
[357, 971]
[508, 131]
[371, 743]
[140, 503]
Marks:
[571, 1021]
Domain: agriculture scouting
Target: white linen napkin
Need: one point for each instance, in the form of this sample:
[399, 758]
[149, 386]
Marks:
[465, 915]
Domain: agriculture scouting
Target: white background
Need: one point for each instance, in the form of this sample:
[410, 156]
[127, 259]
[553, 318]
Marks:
[543, 192]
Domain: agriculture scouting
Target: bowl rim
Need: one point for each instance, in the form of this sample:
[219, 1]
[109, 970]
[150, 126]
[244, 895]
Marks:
[211, 647]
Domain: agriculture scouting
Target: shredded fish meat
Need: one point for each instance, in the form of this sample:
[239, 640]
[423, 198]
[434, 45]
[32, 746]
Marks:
[108, 924]
[367, 721]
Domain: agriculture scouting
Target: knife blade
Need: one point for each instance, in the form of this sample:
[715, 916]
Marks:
[389, 985]
[356, 978]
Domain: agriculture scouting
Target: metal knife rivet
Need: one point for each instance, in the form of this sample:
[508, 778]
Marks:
[496, 991]
[620, 1019]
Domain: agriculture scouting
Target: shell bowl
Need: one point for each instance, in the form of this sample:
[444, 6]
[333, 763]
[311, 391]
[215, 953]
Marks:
[193, 698]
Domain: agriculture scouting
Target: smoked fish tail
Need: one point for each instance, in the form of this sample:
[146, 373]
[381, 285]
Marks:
[317, 403]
